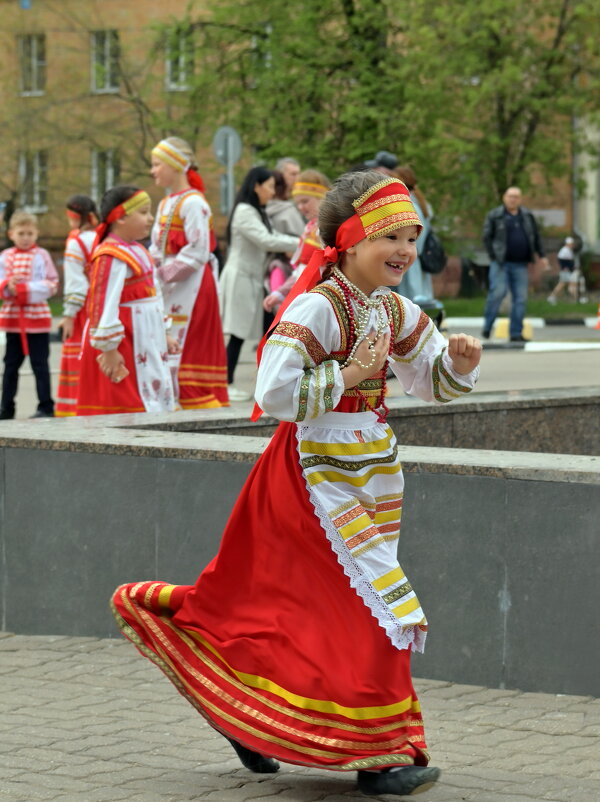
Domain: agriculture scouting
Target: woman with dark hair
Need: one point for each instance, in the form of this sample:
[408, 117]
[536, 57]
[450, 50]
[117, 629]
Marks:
[250, 237]
[124, 365]
[82, 216]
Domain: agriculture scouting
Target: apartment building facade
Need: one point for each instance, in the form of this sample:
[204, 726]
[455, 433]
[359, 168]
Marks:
[88, 86]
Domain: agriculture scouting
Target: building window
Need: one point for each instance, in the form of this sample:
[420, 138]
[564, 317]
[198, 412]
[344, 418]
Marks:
[106, 171]
[33, 175]
[105, 61]
[32, 59]
[179, 60]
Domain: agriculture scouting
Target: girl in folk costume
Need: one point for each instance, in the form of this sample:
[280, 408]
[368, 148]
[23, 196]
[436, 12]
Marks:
[182, 241]
[295, 642]
[27, 278]
[83, 219]
[308, 192]
[124, 357]
[250, 237]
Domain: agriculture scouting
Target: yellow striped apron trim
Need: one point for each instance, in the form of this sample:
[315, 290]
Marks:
[343, 449]
[408, 607]
[393, 576]
[317, 477]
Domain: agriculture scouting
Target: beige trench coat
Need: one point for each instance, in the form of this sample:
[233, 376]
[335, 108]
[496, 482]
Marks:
[242, 279]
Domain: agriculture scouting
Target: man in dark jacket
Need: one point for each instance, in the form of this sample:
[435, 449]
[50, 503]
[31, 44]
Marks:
[512, 240]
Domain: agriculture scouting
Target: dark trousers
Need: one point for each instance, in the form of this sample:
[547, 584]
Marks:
[39, 352]
[234, 346]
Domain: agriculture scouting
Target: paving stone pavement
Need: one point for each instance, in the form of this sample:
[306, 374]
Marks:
[90, 720]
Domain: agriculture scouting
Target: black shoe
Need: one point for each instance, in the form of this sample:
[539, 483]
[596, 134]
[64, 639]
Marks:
[5, 414]
[402, 782]
[519, 339]
[41, 414]
[485, 335]
[253, 760]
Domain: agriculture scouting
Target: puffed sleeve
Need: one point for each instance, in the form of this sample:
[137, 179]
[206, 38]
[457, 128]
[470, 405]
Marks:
[246, 220]
[76, 281]
[44, 278]
[420, 359]
[297, 379]
[154, 249]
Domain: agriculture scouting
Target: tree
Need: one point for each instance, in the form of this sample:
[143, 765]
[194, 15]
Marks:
[477, 96]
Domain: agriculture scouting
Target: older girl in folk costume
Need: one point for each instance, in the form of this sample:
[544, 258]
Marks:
[308, 193]
[124, 357]
[295, 642]
[83, 219]
[250, 238]
[182, 241]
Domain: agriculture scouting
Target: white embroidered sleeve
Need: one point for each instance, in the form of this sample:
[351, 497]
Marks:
[109, 332]
[420, 360]
[297, 379]
[44, 278]
[76, 282]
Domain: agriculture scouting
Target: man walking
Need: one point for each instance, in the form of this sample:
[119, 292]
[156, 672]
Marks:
[512, 240]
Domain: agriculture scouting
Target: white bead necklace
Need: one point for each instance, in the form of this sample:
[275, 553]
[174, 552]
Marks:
[362, 317]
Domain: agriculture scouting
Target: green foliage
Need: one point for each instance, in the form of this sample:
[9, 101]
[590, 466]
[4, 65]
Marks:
[476, 96]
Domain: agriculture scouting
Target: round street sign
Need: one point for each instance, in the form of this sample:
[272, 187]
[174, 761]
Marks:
[227, 145]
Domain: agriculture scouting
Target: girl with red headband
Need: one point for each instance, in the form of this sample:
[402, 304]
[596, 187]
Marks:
[295, 641]
[82, 217]
[124, 357]
[183, 239]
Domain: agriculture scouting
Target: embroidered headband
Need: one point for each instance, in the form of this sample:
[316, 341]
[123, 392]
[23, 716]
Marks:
[307, 188]
[132, 204]
[170, 154]
[383, 208]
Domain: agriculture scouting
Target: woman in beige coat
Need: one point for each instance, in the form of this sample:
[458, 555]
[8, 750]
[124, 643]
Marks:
[250, 238]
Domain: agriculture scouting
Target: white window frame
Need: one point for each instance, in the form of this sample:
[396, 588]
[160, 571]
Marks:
[185, 64]
[33, 173]
[111, 82]
[105, 173]
[35, 61]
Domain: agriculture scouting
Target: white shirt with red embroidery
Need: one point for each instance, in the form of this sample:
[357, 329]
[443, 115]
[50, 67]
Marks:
[36, 277]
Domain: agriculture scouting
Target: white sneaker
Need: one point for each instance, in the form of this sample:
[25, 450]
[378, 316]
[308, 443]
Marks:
[237, 395]
[551, 300]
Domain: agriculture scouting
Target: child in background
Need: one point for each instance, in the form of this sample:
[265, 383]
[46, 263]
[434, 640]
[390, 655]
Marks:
[308, 192]
[82, 216]
[183, 240]
[124, 357]
[27, 278]
[295, 642]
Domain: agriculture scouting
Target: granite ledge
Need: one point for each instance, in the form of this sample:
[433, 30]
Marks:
[231, 448]
[521, 465]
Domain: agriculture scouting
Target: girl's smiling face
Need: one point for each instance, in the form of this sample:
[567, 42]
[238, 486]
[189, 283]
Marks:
[383, 261]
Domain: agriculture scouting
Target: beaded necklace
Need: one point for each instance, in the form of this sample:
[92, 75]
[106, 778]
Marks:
[358, 326]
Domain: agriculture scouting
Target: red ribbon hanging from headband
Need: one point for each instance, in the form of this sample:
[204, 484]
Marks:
[195, 180]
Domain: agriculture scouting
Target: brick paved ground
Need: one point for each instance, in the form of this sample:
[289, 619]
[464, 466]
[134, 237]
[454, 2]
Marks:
[90, 720]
